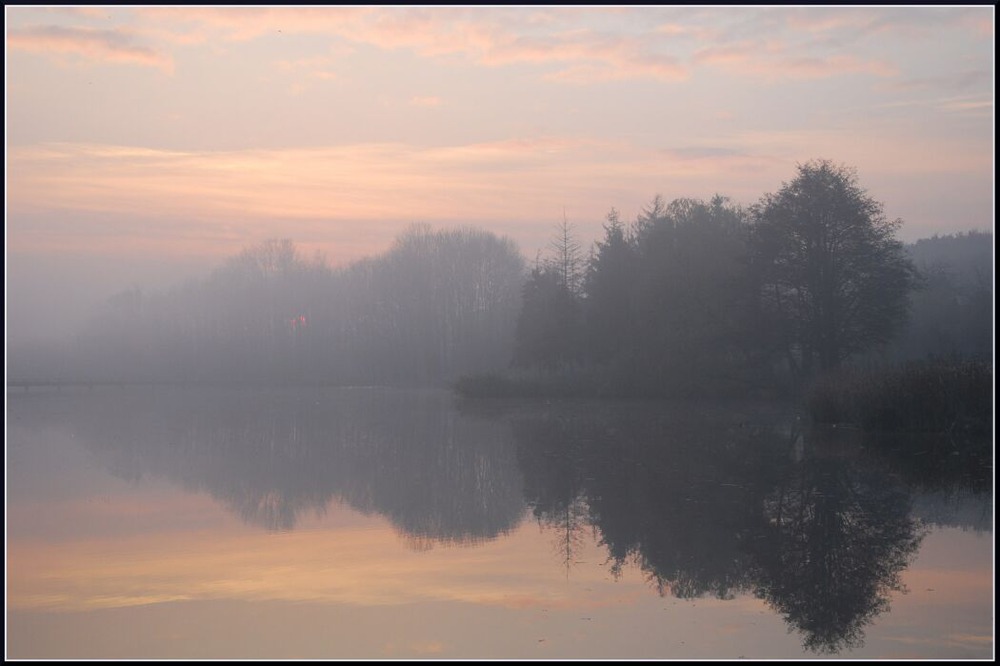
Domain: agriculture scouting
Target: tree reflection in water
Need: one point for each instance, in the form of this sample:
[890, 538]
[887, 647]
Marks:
[838, 534]
[271, 456]
[705, 499]
[719, 504]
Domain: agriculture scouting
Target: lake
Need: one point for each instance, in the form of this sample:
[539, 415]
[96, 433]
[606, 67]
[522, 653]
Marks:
[351, 523]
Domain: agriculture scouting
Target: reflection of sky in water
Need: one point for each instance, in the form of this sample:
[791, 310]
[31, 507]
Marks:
[116, 567]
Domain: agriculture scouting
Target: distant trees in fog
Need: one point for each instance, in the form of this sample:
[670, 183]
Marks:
[951, 311]
[247, 319]
[436, 305]
[691, 297]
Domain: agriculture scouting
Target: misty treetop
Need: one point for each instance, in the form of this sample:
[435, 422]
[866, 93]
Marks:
[693, 297]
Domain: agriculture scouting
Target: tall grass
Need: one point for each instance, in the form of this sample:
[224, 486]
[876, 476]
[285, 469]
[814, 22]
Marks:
[928, 396]
[598, 381]
[571, 382]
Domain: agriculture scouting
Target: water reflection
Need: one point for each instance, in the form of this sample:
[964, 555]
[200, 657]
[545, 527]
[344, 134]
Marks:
[271, 456]
[817, 523]
[719, 500]
[838, 534]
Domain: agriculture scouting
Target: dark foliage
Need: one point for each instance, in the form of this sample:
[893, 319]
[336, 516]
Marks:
[831, 270]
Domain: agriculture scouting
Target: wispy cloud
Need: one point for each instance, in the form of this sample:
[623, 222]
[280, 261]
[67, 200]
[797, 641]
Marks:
[326, 193]
[427, 101]
[593, 56]
[359, 181]
[908, 91]
[841, 25]
[646, 43]
[491, 38]
[115, 46]
[322, 67]
[774, 62]
[825, 20]
[982, 107]
[955, 81]
[310, 63]
[246, 23]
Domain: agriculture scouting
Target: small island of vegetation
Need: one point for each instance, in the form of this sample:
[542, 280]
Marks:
[806, 294]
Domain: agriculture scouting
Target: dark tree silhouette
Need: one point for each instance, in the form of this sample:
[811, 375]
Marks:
[608, 285]
[548, 325]
[550, 331]
[832, 271]
[690, 295]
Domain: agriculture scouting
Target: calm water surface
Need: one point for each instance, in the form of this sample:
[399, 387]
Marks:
[381, 523]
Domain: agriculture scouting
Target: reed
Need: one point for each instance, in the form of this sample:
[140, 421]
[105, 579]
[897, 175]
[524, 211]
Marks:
[927, 396]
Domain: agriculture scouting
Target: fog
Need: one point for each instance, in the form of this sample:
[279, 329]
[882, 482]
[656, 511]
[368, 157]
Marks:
[409, 316]
[50, 296]
[434, 305]
[691, 298]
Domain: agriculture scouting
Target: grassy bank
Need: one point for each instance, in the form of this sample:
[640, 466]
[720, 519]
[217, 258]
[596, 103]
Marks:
[931, 396]
[608, 381]
[567, 383]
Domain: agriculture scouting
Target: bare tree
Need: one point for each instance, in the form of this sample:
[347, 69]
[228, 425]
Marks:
[567, 257]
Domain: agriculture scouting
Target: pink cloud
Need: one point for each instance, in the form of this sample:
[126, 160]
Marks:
[246, 23]
[769, 62]
[489, 38]
[594, 57]
[816, 68]
[583, 74]
[816, 20]
[113, 46]
[428, 101]
[982, 24]
[855, 22]
[327, 194]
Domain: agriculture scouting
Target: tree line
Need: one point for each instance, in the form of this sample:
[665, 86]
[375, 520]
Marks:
[692, 297]
[699, 297]
[435, 305]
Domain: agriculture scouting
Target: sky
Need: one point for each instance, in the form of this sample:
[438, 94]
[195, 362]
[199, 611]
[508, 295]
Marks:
[146, 144]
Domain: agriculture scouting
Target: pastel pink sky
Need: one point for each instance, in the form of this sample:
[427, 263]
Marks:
[154, 141]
